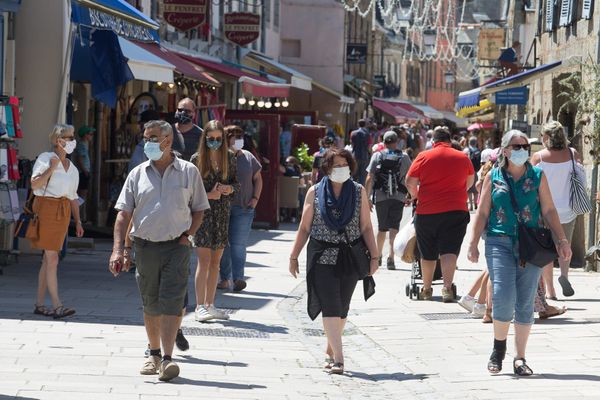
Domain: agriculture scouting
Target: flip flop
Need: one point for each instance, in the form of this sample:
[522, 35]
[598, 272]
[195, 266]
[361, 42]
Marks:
[567, 289]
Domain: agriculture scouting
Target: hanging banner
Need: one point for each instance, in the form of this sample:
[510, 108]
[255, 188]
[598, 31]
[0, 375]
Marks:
[241, 28]
[490, 43]
[185, 14]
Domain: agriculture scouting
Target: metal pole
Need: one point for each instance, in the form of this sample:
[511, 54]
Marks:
[97, 161]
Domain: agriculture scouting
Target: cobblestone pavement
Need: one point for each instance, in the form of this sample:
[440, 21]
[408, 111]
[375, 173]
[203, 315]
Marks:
[395, 348]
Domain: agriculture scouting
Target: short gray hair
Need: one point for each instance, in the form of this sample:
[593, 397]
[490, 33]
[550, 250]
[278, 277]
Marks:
[59, 130]
[165, 128]
[506, 139]
[557, 140]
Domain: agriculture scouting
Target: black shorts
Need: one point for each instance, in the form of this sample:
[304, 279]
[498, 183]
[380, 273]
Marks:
[389, 214]
[84, 181]
[442, 233]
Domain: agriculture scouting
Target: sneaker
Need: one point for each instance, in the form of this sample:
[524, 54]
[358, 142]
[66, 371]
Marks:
[216, 314]
[224, 285]
[467, 302]
[151, 366]
[202, 314]
[478, 311]
[168, 370]
[239, 285]
[447, 295]
[147, 352]
[390, 264]
[426, 294]
[181, 341]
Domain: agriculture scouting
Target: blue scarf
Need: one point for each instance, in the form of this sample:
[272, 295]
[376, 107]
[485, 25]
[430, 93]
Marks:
[343, 206]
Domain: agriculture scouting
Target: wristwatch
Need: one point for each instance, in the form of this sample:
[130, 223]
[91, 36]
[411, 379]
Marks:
[190, 238]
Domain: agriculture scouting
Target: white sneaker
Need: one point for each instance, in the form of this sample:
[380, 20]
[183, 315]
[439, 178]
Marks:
[216, 314]
[467, 302]
[478, 310]
[202, 314]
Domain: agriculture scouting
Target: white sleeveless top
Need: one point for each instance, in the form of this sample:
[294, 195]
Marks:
[559, 181]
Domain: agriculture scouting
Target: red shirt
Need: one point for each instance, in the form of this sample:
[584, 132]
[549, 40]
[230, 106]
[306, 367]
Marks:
[442, 173]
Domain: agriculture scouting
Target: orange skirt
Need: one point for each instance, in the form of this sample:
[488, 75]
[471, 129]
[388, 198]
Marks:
[53, 219]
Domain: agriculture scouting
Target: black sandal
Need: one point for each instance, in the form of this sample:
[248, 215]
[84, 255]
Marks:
[523, 369]
[43, 310]
[62, 311]
[495, 363]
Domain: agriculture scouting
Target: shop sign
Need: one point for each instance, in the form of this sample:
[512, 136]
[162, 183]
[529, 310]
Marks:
[519, 95]
[490, 43]
[241, 28]
[356, 53]
[519, 125]
[185, 14]
[121, 27]
[379, 80]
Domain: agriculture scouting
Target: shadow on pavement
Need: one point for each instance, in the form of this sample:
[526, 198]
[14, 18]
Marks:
[583, 300]
[566, 377]
[261, 294]
[222, 385]
[566, 321]
[397, 376]
[194, 360]
[255, 326]
[5, 397]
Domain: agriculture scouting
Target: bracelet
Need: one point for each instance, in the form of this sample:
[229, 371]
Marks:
[293, 259]
[563, 240]
[78, 223]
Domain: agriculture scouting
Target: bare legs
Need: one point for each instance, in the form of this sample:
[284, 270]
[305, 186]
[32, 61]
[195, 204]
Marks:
[334, 327]
[548, 275]
[48, 279]
[162, 329]
[448, 262]
[207, 275]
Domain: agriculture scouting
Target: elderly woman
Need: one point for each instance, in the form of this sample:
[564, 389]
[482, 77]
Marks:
[513, 286]
[54, 182]
[555, 161]
[336, 211]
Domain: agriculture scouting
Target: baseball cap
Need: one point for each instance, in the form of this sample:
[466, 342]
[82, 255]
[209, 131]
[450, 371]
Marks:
[328, 140]
[390, 137]
[84, 130]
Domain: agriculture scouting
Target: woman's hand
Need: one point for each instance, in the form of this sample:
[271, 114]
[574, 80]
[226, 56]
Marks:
[374, 266]
[564, 250]
[215, 193]
[54, 161]
[79, 229]
[473, 253]
[294, 267]
[225, 190]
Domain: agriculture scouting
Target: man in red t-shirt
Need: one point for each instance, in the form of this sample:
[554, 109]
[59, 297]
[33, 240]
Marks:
[439, 179]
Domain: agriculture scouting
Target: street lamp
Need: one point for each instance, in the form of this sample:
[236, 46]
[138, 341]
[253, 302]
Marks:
[449, 77]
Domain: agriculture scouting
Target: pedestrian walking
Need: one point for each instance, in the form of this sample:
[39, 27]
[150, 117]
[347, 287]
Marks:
[165, 199]
[218, 169]
[336, 211]
[386, 189]
[243, 209]
[360, 150]
[513, 285]
[474, 154]
[325, 144]
[559, 161]
[54, 181]
[438, 179]
[186, 130]
[84, 165]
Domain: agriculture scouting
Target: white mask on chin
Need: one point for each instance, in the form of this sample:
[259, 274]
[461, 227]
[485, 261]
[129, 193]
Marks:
[340, 174]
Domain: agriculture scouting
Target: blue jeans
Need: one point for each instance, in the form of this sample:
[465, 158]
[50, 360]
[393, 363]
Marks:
[513, 287]
[234, 255]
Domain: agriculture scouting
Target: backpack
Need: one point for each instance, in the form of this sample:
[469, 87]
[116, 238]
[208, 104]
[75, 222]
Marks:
[475, 157]
[387, 173]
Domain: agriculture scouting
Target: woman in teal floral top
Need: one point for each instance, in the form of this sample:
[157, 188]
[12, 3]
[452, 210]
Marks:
[514, 287]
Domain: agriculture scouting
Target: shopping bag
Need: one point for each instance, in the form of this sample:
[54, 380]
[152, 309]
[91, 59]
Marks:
[405, 243]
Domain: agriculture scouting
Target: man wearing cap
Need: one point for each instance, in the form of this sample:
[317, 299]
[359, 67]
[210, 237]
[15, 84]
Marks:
[386, 188]
[84, 163]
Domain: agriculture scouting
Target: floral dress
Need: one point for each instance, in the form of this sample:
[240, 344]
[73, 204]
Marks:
[214, 231]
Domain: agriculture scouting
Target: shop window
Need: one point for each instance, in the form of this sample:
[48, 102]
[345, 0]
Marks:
[291, 48]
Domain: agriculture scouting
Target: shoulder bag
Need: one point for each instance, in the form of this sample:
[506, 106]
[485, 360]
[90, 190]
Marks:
[536, 246]
[578, 198]
[27, 226]
[360, 256]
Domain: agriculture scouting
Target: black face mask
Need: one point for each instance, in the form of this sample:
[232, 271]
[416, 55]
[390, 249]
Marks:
[183, 118]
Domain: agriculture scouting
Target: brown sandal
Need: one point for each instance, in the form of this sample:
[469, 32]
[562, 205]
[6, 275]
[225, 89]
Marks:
[62, 311]
[487, 317]
[552, 311]
[43, 310]
[337, 369]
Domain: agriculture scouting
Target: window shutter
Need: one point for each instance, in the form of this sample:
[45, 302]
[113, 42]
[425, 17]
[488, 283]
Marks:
[540, 6]
[588, 9]
[549, 15]
[565, 12]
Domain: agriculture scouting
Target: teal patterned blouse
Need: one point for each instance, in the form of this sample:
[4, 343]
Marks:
[502, 220]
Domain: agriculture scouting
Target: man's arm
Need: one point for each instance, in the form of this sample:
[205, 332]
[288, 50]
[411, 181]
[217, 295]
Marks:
[121, 225]
[412, 184]
[257, 183]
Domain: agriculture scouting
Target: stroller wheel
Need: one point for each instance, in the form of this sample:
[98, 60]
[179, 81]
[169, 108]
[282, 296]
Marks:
[416, 292]
[454, 291]
[408, 292]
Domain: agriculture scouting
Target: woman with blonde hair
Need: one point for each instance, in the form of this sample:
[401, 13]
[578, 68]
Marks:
[217, 166]
[54, 183]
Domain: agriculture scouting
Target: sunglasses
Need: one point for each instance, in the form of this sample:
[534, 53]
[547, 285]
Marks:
[67, 138]
[520, 146]
[214, 139]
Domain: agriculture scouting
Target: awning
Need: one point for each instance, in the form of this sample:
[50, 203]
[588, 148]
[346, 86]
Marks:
[460, 122]
[117, 16]
[472, 97]
[220, 68]
[481, 126]
[297, 79]
[468, 111]
[145, 65]
[396, 110]
[10, 5]
[182, 66]
[334, 93]
[428, 111]
[254, 88]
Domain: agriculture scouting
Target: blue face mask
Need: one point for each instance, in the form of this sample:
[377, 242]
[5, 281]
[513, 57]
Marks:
[214, 145]
[153, 151]
[519, 157]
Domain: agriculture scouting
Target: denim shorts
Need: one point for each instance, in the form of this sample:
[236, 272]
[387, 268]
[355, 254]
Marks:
[513, 287]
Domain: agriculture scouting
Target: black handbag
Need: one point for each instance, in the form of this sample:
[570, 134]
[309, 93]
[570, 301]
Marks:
[27, 224]
[360, 256]
[536, 245]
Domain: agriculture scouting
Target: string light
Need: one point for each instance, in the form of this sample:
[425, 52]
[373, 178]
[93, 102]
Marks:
[242, 101]
[251, 102]
[268, 104]
[285, 103]
[260, 103]
[277, 103]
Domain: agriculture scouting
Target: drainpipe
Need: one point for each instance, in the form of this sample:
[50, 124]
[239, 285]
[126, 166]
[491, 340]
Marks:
[594, 189]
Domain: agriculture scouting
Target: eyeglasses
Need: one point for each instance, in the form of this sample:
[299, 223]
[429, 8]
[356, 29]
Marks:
[152, 139]
[214, 139]
[185, 110]
[520, 146]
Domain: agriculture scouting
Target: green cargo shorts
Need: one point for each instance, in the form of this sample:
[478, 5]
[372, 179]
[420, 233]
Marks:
[162, 271]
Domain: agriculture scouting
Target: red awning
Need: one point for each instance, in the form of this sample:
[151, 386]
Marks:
[254, 88]
[220, 68]
[397, 110]
[182, 66]
[481, 126]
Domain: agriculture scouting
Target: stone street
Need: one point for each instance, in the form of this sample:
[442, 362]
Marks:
[395, 348]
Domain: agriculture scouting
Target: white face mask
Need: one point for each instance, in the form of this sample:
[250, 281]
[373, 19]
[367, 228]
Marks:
[340, 174]
[69, 147]
[238, 144]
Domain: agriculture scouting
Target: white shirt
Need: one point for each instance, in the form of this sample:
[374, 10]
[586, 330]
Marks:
[61, 183]
[559, 181]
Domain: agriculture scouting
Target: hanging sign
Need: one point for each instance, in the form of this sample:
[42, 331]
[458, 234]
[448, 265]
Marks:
[241, 28]
[490, 43]
[518, 95]
[356, 53]
[185, 14]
